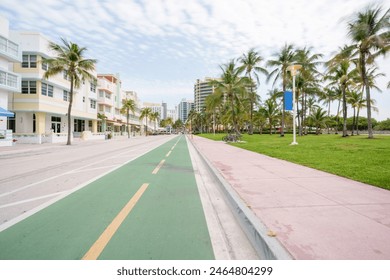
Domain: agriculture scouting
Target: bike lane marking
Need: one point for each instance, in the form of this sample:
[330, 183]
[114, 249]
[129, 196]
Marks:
[96, 249]
[169, 222]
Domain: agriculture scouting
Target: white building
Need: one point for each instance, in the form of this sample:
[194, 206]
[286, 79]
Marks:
[184, 108]
[41, 106]
[9, 81]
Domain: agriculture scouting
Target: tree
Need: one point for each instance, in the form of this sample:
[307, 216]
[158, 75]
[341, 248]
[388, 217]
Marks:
[342, 73]
[154, 118]
[145, 114]
[270, 112]
[102, 117]
[213, 102]
[128, 105]
[283, 59]
[318, 119]
[69, 57]
[232, 86]
[250, 62]
[369, 31]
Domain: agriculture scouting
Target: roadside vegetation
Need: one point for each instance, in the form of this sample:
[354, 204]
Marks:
[357, 158]
[345, 79]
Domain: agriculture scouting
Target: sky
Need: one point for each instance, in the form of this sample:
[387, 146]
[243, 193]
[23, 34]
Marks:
[160, 47]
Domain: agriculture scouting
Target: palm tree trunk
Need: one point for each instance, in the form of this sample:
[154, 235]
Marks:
[345, 133]
[69, 141]
[128, 130]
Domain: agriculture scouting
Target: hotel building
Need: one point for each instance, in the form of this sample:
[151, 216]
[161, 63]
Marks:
[41, 106]
[9, 81]
[202, 89]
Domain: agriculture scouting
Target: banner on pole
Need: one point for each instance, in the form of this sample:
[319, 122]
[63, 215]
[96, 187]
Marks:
[288, 100]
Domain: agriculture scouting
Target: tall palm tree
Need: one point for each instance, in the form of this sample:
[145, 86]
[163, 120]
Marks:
[369, 31]
[70, 57]
[309, 75]
[154, 118]
[342, 73]
[213, 102]
[145, 114]
[282, 60]
[250, 62]
[232, 86]
[128, 105]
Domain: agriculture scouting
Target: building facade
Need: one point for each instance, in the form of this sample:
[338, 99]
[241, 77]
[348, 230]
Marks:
[10, 81]
[184, 108]
[41, 106]
[202, 89]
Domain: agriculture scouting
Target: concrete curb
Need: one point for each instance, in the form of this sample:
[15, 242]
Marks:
[267, 247]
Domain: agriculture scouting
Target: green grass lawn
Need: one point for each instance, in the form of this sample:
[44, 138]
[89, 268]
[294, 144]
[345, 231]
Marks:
[356, 157]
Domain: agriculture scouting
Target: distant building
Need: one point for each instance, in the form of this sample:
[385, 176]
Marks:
[164, 113]
[184, 108]
[10, 82]
[202, 89]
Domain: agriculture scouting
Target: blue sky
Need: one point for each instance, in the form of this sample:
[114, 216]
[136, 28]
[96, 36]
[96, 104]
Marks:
[160, 47]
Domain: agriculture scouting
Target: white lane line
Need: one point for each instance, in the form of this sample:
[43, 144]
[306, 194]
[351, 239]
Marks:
[31, 199]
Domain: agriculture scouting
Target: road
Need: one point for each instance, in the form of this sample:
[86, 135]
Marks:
[122, 199]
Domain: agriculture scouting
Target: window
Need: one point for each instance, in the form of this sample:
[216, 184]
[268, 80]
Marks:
[44, 66]
[83, 98]
[29, 61]
[92, 104]
[66, 96]
[29, 87]
[101, 93]
[47, 90]
[93, 87]
[108, 96]
[65, 75]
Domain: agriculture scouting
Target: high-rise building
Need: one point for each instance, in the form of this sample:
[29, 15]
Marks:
[202, 89]
[164, 110]
[184, 108]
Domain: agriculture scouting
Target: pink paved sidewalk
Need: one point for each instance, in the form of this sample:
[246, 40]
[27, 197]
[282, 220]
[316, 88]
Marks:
[315, 215]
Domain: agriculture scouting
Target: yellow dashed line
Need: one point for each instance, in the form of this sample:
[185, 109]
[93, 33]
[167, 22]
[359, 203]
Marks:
[98, 247]
[158, 167]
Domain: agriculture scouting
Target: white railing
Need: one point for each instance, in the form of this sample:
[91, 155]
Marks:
[10, 49]
[10, 81]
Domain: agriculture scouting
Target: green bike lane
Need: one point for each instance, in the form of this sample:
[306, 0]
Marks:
[165, 219]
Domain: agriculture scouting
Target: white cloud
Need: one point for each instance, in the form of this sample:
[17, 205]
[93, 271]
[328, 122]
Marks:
[136, 37]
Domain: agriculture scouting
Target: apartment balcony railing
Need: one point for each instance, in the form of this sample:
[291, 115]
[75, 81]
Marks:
[10, 50]
[10, 81]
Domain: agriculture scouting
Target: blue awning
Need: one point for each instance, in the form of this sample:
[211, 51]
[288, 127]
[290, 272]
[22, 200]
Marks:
[5, 113]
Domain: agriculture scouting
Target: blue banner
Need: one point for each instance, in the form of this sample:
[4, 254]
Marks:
[288, 100]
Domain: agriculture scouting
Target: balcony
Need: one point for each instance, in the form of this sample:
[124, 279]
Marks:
[10, 81]
[10, 50]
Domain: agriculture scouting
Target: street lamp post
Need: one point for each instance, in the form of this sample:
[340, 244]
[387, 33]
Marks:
[293, 69]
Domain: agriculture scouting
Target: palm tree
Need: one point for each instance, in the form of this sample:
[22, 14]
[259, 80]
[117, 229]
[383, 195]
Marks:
[102, 117]
[309, 78]
[154, 118]
[318, 118]
[213, 102]
[369, 30]
[284, 58]
[232, 86]
[250, 62]
[70, 57]
[128, 105]
[342, 74]
[145, 114]
[270, 112]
